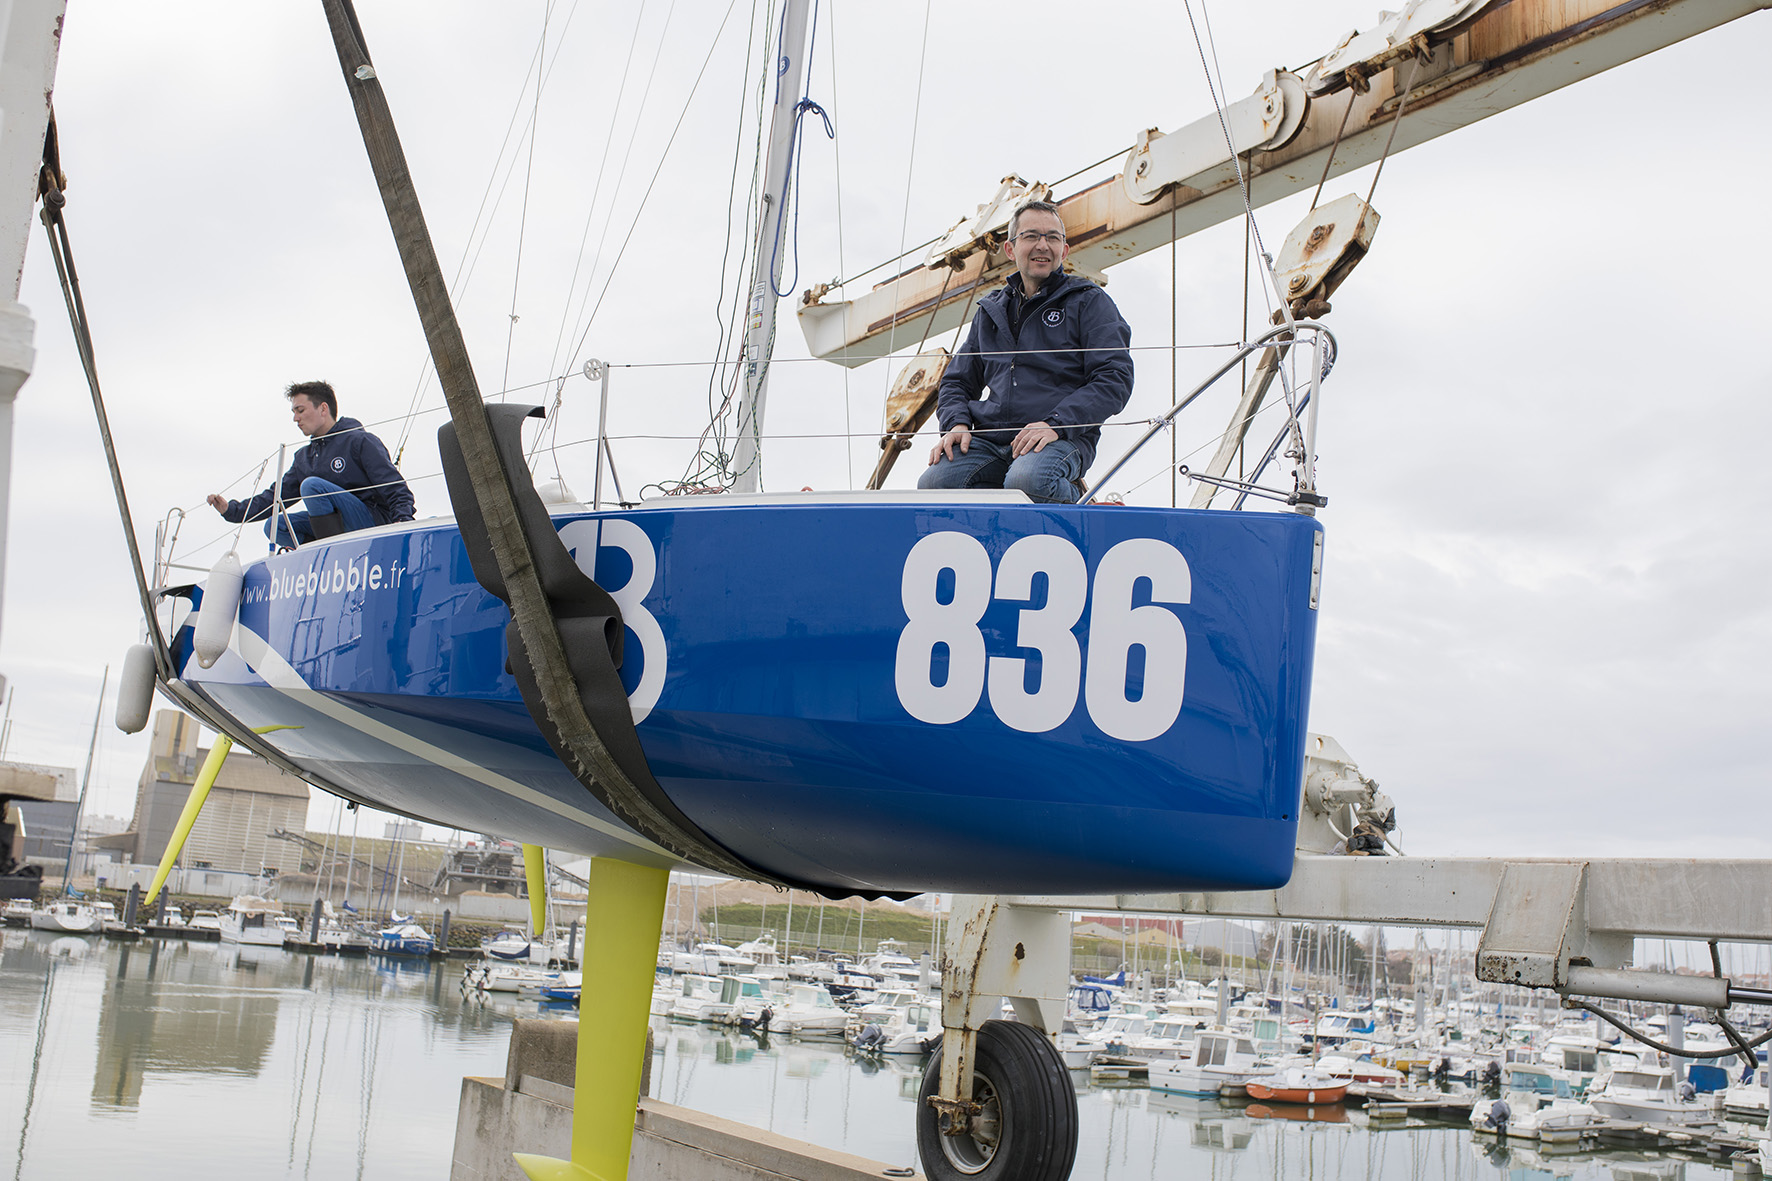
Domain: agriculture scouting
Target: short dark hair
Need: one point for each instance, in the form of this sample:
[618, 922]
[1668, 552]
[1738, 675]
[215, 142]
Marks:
[318, 393]
[1033, 207]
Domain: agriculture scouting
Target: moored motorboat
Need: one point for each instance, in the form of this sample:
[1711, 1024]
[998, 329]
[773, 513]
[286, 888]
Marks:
[810, 1012]
[1222, 1063]
[1297, 1085]
[1648, 1092]
[252, 920]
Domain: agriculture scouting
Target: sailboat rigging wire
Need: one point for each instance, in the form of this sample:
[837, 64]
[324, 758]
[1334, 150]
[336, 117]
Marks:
[905, 252]
[663, 156]
[523, 213]
[723, 383]
[459, 281]
[1236, 162]
[275, 497]
[61, 249]
[837, 164]
[584, 236]
[910, 165]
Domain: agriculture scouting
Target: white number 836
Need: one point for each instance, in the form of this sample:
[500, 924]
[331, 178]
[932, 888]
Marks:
[1115, 628]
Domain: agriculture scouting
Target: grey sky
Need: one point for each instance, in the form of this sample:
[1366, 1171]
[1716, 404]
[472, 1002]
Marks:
[1544, 612]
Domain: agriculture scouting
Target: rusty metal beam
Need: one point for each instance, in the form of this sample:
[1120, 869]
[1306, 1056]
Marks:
[1516, 51]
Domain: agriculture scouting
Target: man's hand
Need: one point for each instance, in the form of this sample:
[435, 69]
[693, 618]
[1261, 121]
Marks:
[960, 436]
[218, 502]
[1033, 437]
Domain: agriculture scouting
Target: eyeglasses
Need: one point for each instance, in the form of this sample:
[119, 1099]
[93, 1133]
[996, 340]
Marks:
[1030, 237]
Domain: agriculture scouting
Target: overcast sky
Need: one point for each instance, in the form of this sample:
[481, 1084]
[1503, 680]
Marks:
[1544, 620]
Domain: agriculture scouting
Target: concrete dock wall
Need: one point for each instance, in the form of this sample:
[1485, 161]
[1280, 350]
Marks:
[530, 1110]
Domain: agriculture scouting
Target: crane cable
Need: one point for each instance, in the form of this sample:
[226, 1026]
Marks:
[51, 186]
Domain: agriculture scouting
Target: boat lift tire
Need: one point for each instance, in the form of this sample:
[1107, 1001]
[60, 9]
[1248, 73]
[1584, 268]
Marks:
[1028, 1128]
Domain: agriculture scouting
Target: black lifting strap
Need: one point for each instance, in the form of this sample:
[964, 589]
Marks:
[590, 629]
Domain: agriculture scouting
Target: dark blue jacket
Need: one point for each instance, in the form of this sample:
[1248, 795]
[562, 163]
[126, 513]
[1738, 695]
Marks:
[350, 457]
[1068, 365]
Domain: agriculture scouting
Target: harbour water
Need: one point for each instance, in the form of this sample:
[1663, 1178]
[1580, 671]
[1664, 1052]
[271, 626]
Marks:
[172, 1060]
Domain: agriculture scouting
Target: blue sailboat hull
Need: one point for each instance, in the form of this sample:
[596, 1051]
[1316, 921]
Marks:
[866, 694]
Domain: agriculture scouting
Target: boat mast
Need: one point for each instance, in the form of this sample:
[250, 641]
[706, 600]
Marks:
[766, 267]
[85, 782]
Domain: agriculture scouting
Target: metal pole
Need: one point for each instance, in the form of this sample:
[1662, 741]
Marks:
[351, 861]
[279, 518]
[1308, 464]
[600, 371]
[85, 782]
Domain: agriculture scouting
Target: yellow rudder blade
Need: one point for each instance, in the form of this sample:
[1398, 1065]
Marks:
[535, 868]
[623, 915]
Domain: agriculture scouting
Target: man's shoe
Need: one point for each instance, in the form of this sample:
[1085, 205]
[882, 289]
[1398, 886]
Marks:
[326, 524]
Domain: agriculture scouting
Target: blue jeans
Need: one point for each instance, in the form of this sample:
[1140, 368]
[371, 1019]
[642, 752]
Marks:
[1048, 475]
[320, 497]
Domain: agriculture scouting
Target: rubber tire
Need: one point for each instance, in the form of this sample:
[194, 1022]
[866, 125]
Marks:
[1036, 1107]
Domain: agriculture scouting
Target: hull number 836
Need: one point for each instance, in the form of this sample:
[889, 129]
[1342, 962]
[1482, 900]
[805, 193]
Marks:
[1103, 673]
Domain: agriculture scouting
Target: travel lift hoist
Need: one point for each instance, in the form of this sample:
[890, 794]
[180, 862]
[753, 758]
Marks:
[1562, 925]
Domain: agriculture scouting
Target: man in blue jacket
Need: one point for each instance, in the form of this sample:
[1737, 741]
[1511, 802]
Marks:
[1046, 363]
[343, 478]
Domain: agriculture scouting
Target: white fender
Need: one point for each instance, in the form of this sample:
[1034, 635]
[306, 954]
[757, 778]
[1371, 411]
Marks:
[221, 602]
[135, 690]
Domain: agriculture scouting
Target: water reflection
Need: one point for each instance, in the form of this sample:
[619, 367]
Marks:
[167, 1060]
[192, 1056]
[189, 1009]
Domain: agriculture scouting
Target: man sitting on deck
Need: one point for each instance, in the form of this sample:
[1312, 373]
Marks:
[344, 477]
[1046, 363]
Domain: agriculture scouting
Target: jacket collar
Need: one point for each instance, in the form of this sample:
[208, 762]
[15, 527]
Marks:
[1055, 282]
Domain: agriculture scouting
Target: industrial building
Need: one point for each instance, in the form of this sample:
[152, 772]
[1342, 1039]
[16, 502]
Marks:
[250, 801]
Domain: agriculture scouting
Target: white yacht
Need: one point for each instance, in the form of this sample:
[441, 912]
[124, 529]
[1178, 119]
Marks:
[699, 996]
[711, 959]
[1222, 1062]
[1538, 1098]
[892, 966]
[253, 920]
[810, 1012]
[909, 1029]
[1650, 1093]
[67, 916]
[205, 920]
[18, 912]
[765, 957]
[1747, 1100]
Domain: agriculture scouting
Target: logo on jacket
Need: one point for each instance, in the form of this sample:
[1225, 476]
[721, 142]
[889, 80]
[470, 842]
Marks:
[1055, 317]
[338, 463]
